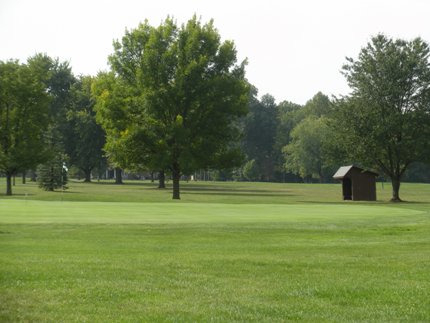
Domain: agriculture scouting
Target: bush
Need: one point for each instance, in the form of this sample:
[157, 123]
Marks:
[52, 175]
[250, 171]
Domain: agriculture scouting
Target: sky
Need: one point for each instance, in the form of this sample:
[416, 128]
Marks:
[294, 48]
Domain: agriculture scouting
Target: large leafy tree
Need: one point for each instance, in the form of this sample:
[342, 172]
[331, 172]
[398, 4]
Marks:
[307, 154]
[57, 78]
[24, 105]
[187, 91]
[114, 103]
[86, 145]
[385, 122]
[303, 157]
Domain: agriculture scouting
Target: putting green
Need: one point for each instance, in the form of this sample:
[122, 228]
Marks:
[19, 211]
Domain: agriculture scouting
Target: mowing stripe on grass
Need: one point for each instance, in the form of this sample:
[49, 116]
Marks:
[18, 211]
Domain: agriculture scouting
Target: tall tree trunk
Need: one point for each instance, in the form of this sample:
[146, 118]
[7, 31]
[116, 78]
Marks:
[8, 184]
[118, 175]
[152, 177]
[13, 180]
[176, 174]
[24, 174]
[87, 175]
[161, 179]
[395, 181]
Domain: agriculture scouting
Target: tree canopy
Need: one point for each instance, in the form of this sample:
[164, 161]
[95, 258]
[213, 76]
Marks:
[186, 91]
[307, 153]
[85, 147]
[260, 128]
[176, 102]
[385, 122]
[24, 106]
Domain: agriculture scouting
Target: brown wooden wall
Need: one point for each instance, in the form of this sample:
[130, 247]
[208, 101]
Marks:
[363, 185]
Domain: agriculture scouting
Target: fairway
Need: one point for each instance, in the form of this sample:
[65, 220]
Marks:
[17, 211]
[171, 186]
[214, 259]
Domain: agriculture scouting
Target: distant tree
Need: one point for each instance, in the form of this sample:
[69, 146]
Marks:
[260, 135]
[86, 145]
[418, 172]
[250, 171]
[291, 116]
[307, 154]
[24, 106]
[385, 122]
[320, 105]
[52, 174]
[57, 78]
[222, 174]
[186, 93]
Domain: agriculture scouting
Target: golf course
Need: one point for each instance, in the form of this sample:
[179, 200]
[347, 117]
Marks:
[227, 251]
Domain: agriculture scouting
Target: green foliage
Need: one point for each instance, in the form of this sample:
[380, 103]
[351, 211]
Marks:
[289, 115]
[113, 101]
[86, 144]
[260, 127]
[385, 123]
[24, 107]
[251, 171]
[418, 172]
[268, 129]
[306, 137]
[57, 78]
[52, 174]
[183, 93]
[222, 174]
[319, 106]
[59, 136]
[306, 154]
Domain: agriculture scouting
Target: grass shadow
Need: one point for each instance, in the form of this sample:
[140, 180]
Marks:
[237, 193]
[212, 189]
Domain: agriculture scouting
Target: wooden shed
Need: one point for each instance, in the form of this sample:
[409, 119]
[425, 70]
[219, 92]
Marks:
[357, 184]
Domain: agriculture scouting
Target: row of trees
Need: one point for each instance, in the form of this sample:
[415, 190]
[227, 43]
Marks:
[283, 142]
[176, 100]
[46, 119]
[383, 124]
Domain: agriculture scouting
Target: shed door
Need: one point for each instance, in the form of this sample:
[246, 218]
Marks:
[347, 189]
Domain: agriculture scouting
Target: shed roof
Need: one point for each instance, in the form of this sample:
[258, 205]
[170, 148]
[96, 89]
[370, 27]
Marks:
[344, 170]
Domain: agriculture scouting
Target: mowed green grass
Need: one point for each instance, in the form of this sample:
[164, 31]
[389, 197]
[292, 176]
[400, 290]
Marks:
[227, 252]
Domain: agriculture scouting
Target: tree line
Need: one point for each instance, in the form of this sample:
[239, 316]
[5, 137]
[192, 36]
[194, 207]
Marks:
[47, 118]
[176, 101]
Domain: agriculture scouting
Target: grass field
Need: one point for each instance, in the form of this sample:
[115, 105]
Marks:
[227, 252]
